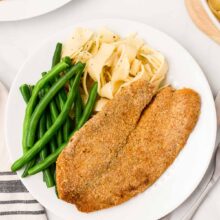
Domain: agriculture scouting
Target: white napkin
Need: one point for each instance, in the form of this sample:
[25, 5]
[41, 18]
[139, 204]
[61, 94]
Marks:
[15, 201]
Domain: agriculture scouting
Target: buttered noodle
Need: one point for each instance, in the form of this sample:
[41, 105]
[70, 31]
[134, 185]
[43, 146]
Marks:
[113, 62]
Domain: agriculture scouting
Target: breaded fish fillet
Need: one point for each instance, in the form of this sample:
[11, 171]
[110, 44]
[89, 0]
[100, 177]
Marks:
[153, 145]
[92, 148]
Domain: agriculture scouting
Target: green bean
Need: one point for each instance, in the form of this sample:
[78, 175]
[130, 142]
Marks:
[66, 129]
[25, 91]
[28, 166]
[31, 87]
[55, 60]
[42, 127]
[89, 106]
[67, 60]
[53, 129]
[54, 103]
[67, 125]
[52, 143]
[54, 114]
[86, 114]
[46, 100]
[32, 102]
[61, 98]
[47, 162]
[78, 108]
[48, 177]
[49, 123]
[57, 54]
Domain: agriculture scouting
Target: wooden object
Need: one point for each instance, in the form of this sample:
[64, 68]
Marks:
[202, 20]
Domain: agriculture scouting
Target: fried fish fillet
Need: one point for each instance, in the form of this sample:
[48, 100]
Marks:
[150, 149]
[92, 148]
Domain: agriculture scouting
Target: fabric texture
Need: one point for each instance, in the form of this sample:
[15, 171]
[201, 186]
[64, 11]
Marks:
[15, 201]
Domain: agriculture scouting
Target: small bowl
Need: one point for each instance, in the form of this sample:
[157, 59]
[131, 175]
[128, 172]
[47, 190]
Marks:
[209, 12]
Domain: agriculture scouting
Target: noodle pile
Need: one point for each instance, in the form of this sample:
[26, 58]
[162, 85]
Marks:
[113, 62]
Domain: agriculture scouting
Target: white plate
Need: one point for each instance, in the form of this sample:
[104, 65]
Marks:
[12, 10]
[179, 181]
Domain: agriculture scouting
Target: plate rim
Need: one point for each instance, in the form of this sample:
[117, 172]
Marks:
[84, 22]
[8, 6]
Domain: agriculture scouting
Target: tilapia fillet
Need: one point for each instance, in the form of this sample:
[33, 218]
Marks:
[93, 147]
[148, 150]
[153, 145]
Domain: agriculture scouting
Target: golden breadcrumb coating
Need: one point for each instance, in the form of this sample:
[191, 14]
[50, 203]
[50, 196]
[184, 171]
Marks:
[93, 147]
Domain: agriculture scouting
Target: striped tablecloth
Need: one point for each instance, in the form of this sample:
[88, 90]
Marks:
[15, 201]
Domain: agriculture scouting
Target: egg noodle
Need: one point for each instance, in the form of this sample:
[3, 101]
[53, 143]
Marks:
[113, 62]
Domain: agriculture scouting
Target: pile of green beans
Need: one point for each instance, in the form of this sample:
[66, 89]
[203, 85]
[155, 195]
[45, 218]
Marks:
[33, 100]
[47, 126]
[85, 116]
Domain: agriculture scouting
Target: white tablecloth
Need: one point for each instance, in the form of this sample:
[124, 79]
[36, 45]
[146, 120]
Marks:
[19, 39]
